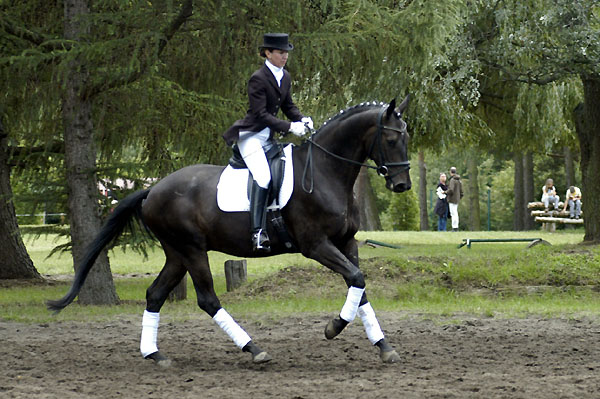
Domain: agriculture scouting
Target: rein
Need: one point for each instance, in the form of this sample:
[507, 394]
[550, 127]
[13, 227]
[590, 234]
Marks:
[382, 170]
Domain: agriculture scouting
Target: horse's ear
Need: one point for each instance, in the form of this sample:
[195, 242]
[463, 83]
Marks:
[402, 107]
[390, 109]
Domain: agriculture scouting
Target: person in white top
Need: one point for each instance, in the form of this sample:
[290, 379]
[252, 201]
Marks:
[549, 195]
[441, 206]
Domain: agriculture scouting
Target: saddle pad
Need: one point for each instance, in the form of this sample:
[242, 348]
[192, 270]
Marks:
[232, 189]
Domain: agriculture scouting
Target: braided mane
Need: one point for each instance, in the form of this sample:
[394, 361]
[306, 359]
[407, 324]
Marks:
[348, 112]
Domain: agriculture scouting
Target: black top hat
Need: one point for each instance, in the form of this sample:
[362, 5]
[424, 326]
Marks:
[276, 41]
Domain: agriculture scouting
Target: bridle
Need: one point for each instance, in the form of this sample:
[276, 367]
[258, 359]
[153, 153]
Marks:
[382, 169]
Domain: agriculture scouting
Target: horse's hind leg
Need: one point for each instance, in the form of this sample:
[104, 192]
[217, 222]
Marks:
[156, 294]
[199, 270]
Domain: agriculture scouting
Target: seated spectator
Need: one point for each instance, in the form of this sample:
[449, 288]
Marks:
[549, 195]
[573, 199]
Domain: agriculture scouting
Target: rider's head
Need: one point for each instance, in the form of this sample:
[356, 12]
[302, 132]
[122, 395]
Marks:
[275, 48]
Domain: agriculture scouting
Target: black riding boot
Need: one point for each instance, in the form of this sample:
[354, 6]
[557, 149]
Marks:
[258, 214]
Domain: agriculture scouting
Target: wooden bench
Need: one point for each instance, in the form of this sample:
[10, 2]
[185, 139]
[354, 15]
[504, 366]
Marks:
[534, 241]
[550, 218]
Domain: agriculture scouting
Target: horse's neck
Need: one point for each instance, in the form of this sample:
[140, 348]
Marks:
[345, 141]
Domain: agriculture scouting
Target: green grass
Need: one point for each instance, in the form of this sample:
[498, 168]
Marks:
[429, 275]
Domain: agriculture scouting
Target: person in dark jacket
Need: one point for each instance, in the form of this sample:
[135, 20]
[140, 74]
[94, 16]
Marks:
[269, 90]
[441, 206]
[455, 194]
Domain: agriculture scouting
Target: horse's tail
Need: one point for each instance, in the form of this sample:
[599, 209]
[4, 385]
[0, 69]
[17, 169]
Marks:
[120, 217]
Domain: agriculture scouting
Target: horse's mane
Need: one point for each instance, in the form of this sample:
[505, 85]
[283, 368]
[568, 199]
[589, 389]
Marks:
[348, 112]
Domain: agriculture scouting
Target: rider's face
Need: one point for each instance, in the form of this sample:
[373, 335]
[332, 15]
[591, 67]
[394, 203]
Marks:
[277, 57]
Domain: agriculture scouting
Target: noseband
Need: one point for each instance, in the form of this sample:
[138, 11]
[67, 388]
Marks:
[382, 169]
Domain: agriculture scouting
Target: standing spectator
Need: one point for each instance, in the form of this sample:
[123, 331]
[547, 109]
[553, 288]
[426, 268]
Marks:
[573, 199]
[454, 195]
[549, 195]
[441, 206]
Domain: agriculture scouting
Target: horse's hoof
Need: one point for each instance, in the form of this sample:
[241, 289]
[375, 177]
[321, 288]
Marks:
[390, 357]
[335, 327]
[160, 359]
[262, 357]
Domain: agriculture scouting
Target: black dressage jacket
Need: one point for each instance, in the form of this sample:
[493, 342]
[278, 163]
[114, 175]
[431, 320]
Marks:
[266, 98]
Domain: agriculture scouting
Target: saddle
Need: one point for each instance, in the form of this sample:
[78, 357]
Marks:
[275, 158]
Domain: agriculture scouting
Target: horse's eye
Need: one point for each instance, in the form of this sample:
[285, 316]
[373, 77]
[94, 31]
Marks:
[392, 143]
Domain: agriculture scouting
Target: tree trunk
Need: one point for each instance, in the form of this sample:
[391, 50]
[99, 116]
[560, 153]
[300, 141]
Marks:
[80, 161]
[569, 167]
[16, 262]
[519, 193]
[367, 207]
[423, 214]
[179, 293]
[528, 190]
[473, 183]
[587, 117]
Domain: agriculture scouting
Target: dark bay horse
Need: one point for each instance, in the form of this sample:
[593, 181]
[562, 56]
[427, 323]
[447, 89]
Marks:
[182, 212]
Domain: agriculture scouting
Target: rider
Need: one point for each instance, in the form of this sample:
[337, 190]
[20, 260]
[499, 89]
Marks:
[269, 89]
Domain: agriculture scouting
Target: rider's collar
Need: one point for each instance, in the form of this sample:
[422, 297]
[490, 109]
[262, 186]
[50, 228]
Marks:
[276, 71]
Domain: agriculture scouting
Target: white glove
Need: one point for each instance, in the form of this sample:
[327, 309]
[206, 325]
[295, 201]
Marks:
[307, 120]
[298, 128]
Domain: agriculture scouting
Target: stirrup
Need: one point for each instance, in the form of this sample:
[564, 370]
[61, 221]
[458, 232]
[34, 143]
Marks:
[261, 242]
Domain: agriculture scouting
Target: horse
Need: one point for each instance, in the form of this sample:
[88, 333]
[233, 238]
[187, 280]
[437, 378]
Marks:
[181, 212]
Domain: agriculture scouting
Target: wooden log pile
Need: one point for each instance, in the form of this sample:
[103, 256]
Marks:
[551, 217]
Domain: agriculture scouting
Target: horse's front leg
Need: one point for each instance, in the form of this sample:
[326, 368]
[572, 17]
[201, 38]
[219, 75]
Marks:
[364, 310]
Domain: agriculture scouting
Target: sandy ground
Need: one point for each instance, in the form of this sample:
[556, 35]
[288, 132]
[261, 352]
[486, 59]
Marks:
[460, 357]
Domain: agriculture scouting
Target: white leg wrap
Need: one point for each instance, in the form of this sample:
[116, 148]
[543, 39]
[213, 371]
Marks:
[367, 315]
[233, 329]
[149, 333]
[350, 307]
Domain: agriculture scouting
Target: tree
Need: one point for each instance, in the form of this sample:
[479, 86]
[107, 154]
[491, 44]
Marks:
[520, 204]
[528, 189]
[366, 200]
[80, 162]
[423, 216]
[16, 262]
[542, 42]
[473, 192]
[83, 71]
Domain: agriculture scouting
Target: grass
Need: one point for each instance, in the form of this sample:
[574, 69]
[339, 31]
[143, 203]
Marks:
[429, 275]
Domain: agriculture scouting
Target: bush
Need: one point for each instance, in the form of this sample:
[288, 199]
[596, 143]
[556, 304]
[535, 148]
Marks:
[397, 211]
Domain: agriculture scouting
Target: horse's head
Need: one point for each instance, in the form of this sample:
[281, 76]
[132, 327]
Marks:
[389, 147]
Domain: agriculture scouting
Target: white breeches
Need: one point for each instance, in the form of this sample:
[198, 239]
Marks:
[454, 214]
[252, 148]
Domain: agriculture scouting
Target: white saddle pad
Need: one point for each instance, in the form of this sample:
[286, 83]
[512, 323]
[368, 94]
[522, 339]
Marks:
[232, 190]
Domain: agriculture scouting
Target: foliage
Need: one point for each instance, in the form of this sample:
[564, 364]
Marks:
[398, 211]
[474, 71]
